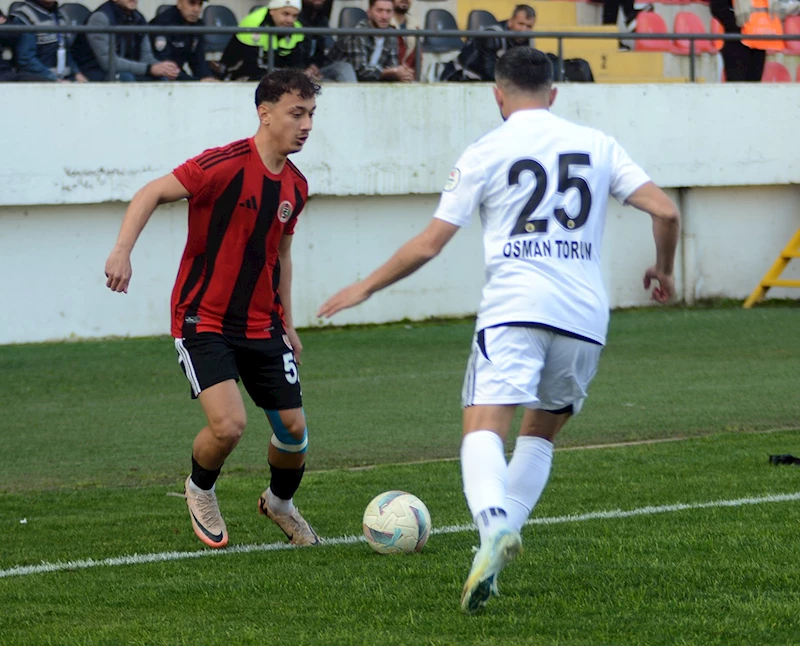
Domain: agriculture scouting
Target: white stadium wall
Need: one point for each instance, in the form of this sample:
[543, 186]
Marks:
[72, 156]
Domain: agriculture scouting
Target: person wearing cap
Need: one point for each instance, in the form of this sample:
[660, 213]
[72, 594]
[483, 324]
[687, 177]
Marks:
[246, 56]
[184, 49]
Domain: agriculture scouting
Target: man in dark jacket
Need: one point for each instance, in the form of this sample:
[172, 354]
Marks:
[477, 60]
[741, 62]
[183, 49]
[317, 13]
[44, 56]
[133, 56]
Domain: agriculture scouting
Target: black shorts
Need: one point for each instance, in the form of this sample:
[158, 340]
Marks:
[266, 367]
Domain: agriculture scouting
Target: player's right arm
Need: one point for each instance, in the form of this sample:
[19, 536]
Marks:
[160, 191]
[631, 185]
[666, 229]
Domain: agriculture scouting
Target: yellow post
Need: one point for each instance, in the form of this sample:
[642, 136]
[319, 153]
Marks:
[792, 250]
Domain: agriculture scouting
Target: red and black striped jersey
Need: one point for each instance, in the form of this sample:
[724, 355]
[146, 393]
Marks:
[230, 271]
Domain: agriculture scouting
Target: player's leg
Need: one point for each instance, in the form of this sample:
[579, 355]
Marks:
[272, 379]
[209, 364]
[569, 367]
[503, 372]
[529, 467]
[287, 452]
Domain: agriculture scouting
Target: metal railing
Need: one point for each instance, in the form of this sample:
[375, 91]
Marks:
[420, 34]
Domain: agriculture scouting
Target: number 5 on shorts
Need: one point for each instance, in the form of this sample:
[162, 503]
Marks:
[290, 368]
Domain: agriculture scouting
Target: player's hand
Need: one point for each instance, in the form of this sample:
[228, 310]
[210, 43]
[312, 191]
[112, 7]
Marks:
[665, 289]
[297, 346]
[348, 297]
[118, 270]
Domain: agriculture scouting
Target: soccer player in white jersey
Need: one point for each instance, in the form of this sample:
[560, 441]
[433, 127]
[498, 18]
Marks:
[541, 185]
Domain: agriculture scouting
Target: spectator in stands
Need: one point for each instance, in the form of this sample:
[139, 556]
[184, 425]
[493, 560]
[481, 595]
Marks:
[629, 11]
[246, 56]
[317, 13]
[741, 62]
[134, 59]
[405, 44]
[183, 49]
[477, 60]
[44, 56]
[7, 45]
[373, 58]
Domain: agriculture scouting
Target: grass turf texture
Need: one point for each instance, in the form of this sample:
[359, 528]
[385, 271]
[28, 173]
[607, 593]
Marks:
[96, 433]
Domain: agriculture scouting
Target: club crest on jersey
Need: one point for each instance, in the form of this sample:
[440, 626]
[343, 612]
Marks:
[453, 180]
[285, 211]
[160, 43]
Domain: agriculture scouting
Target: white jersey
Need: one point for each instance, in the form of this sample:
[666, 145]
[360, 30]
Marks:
[542, 184]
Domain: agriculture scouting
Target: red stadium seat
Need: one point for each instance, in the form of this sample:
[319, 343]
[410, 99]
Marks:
[717, 28]
[792, 26]
[774, 72]
[797, 75]
[649, 22]
[687, 22]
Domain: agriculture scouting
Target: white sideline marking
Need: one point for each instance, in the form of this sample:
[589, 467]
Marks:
[136, 559]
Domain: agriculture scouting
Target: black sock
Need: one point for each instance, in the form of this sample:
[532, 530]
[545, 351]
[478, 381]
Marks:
[285, 482]
[203, 478]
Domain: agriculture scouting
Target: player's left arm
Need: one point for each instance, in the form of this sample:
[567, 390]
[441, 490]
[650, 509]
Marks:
[285, 291]
[406, 260]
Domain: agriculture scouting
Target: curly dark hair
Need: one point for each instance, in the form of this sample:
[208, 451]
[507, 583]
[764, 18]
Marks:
[285, 81]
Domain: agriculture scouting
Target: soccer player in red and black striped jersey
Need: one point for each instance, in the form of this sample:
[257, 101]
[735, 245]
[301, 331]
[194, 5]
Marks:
[231, 304]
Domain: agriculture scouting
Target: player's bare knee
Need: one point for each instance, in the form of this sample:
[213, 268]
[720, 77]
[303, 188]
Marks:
[229, 429]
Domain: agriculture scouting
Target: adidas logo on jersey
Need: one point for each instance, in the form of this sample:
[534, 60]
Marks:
[249, 203]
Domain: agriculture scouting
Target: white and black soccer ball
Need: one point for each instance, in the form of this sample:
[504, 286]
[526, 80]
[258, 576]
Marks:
[396, 522]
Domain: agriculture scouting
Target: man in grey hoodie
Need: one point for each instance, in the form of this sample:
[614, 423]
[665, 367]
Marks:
[134, 56]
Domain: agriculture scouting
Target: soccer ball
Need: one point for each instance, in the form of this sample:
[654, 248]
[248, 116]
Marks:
[396, 522]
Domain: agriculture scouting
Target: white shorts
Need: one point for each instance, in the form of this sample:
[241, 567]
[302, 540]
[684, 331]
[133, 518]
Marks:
[531, 367]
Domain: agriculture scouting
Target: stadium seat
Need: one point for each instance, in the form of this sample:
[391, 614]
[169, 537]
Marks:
[797, 75]
[256, 6]
[774, 72]
[13, 6]
[441, 19]
[218, 16]
[792, 26]
[478, 18]
[687, 22]
[351, 16]
[717, 28]
[75, 13]
[162, 8]
[649, 22]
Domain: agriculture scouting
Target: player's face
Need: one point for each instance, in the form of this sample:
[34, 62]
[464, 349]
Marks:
[520, 22]
[380, 14]
[284, 17]
[127, 5]
[190, 9]
[289, 121]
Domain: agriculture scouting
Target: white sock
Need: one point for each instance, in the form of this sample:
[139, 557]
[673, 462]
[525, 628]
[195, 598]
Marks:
[484, 472]
[528, 472]
[197, 489]
[278, 504]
